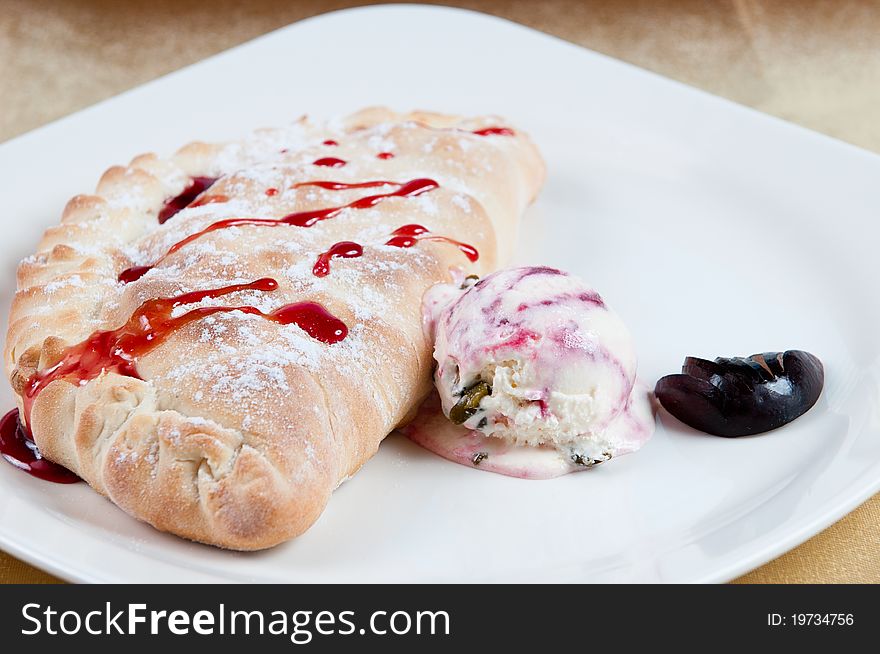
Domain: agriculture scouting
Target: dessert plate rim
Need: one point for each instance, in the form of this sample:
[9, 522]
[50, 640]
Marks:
[121, 557]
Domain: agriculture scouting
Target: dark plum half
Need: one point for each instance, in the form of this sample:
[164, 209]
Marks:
[743, 396]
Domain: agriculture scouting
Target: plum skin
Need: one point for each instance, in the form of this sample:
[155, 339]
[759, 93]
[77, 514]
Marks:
[743, 396]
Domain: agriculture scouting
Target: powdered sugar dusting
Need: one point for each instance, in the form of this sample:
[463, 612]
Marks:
[64, 282]
[462, 202]
[240, 359]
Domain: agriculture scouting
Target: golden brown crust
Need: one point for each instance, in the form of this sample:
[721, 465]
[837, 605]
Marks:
[240, 428]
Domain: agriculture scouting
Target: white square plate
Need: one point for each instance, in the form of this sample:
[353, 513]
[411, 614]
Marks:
[713, 230]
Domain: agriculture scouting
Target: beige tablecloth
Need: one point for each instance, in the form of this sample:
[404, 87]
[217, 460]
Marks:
[813, 62]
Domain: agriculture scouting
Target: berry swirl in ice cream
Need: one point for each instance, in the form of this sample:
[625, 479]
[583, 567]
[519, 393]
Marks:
[536, 376]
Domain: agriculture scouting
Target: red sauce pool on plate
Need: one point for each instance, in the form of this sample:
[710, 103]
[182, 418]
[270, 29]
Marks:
[19, 449]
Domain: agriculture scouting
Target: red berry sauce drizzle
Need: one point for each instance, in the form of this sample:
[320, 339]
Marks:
[329, 162]
[411, 188]
[344, 186]
[343, 249]
[403, 237]
[196, 187]
[485, 131]
[494, 131]
[118, 350]
[409, 235]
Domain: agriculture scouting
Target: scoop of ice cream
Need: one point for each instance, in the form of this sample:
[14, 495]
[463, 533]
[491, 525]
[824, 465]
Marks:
[535, 357]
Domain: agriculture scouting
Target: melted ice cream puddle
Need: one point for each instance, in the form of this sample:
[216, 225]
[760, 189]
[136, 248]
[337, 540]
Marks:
[436, 433]
[559, 367]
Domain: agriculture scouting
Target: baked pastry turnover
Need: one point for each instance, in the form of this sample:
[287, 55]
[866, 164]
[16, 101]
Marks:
[215, 341]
